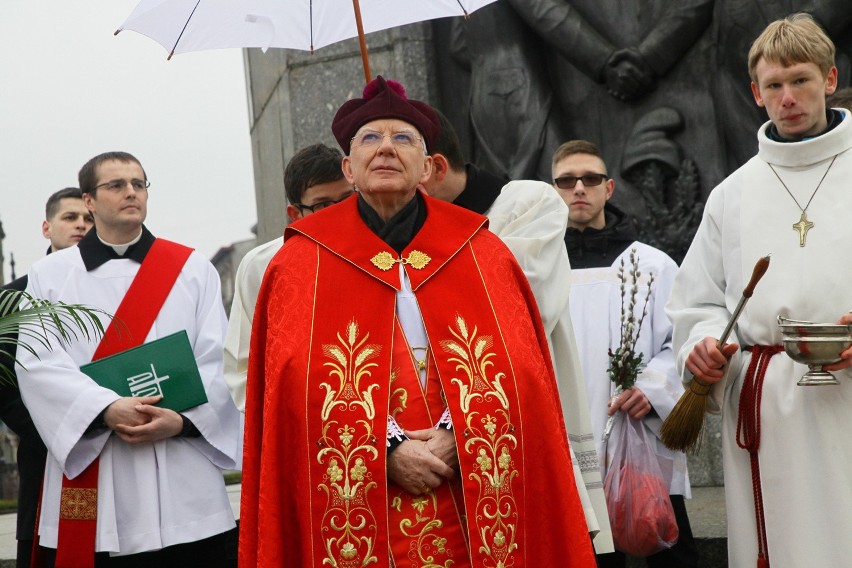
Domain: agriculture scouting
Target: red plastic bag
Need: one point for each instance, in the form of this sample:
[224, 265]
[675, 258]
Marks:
[640, 511]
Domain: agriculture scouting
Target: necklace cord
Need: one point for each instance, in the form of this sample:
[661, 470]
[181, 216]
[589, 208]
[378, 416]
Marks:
[805, 208]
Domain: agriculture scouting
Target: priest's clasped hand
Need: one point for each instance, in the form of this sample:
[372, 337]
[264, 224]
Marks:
[440, 441]
[135, 420]
[414, 467]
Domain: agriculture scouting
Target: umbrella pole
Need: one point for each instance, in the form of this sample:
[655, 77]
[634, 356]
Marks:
[365, 58]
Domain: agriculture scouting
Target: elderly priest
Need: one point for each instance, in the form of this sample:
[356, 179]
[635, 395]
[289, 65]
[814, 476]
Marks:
[389, 313]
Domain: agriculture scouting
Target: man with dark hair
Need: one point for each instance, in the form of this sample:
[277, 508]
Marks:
[600, 240]
[65, 223]
[313, 180]
[531, 220]
[128, 483]
[66, 219]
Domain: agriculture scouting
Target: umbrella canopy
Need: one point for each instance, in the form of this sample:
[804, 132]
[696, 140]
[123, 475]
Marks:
[191, 25]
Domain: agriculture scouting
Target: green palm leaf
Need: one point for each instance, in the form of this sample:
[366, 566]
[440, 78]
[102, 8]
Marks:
[27, 322]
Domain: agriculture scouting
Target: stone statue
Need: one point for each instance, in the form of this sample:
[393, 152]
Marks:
[561, 69]
[512, 117]
[632, 76]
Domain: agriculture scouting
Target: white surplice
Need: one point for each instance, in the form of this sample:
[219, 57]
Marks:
[150, 495]
[596, 304]
[805, 451]
[238, 339]
[531, 218]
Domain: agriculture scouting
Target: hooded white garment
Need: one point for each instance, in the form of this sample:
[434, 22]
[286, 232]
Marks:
[805, 452]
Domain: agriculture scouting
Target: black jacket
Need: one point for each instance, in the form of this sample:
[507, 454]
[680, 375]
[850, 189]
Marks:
[595, 248]
[31, 450]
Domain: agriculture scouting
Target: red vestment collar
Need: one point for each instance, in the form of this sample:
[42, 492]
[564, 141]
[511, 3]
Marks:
[449, 229]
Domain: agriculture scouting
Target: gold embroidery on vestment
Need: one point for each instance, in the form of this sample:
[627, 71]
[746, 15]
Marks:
[78, 504]
[416, 259]
[383, 261]
[490, 438]
[349, 366]
[421, 524]
[348, 451]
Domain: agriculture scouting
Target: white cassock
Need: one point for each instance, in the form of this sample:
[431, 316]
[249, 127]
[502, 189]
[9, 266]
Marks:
[150, 495]
[805, 449]
[596, 302]
[238, 339]
[530, 218]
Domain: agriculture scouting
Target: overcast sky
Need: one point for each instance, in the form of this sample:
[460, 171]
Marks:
[70, 90]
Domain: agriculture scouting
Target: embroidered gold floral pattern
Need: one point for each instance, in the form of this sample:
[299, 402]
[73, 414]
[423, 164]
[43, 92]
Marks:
[489, 438]
[78, 504]
[398, 397]
[349, 365]
[349, 525]
[348, 450]
[427, 549]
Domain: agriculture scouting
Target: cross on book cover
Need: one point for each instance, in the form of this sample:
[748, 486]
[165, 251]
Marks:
[164, 366]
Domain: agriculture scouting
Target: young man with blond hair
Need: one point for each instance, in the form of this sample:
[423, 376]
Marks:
[785, 451]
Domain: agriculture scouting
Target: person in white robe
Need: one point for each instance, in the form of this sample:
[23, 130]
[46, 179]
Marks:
[530, 219]
[802, 169]
[160, 483]
[313, 180]
[600, 240]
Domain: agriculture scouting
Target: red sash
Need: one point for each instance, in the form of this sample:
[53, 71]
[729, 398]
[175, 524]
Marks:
[133, 320]
[748, 435]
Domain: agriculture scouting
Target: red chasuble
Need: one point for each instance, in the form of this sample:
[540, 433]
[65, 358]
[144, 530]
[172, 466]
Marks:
[329, 364]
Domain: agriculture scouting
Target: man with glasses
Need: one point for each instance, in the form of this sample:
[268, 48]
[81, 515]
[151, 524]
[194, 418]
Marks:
[600, 240]
[395, 313]
[128, 483]
[313, 181]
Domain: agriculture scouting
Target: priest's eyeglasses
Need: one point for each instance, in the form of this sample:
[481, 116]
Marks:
[589, 180]
[120, 184]
[320, 205]
[373, 139]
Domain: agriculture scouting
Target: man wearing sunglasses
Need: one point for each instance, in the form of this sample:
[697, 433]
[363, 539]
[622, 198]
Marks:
[313, 180]
[599, 239]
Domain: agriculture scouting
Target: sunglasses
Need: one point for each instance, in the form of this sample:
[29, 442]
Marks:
[589, 180]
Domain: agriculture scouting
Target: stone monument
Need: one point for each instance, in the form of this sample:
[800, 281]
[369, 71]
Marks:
[661, 87]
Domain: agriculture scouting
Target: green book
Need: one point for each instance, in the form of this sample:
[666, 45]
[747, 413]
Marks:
[164, 366]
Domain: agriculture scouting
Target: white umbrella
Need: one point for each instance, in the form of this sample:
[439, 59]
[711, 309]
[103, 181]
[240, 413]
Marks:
[182, 26]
